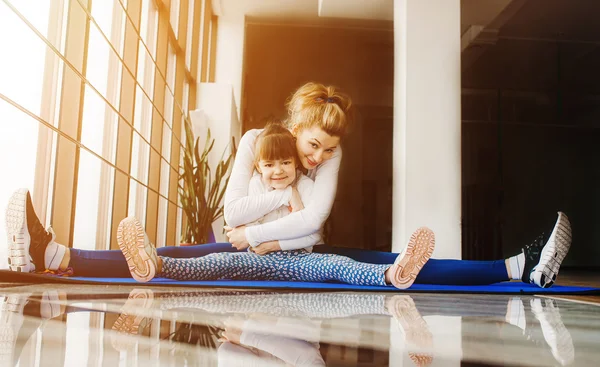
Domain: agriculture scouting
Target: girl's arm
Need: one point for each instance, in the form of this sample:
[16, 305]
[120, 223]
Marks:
[239, 207]
[312, 217]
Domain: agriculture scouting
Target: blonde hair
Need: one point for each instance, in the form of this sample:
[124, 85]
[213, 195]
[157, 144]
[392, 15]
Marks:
[275, 142]
[315, 104]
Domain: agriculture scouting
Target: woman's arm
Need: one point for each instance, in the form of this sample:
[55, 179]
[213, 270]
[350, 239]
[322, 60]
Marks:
[304, 188]
[312, 217]
[239, 207]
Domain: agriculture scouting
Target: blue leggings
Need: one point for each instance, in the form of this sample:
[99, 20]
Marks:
[107, 264]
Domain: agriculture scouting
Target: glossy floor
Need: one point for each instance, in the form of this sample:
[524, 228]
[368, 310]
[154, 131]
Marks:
[46, 325]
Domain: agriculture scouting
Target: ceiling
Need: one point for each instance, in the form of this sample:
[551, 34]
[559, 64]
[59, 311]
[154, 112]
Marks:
[520, 44]
[375, 13]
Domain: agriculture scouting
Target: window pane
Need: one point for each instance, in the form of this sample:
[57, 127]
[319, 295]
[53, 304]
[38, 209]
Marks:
[22, 77]
[161, 234]
[93, 203]
[138, 195]
[145, 72]
[175, 17]
[186, 96]
[99, 120]
[166, 143]
[140, 153]
[190, 34]
[18, 139]
[142, 114]
[149, 25]
[170, 87]
[35, 11]
[165, 170]
[110, 17]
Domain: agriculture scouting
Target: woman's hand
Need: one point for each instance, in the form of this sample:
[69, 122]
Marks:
[266, 247]
[237, 237]
[296, 200]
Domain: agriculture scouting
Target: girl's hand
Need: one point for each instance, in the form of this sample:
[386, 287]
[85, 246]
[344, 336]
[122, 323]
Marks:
[296, 200]
[237, 237]
[266, 247]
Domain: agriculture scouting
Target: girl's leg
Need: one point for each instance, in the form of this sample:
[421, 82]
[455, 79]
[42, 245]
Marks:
[305, 305]
[220, 265]
[329, 267]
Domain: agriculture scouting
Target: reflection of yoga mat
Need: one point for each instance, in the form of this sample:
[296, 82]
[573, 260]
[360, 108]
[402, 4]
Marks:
[499, 288]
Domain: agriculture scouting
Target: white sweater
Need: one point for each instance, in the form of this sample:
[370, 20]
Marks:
[241, 208]
[305, 186]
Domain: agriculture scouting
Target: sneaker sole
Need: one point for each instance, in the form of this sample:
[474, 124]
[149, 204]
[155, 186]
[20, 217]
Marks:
[128, 323]
[139, 253]
[554, 252]
[17, 232]
[417, 335]
[415, 256]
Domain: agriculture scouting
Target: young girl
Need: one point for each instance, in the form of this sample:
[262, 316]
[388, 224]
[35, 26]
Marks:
[276, 165]
[318, 118]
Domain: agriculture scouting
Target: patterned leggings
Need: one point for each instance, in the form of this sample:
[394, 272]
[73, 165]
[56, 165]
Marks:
[303, 305]
[297, 265]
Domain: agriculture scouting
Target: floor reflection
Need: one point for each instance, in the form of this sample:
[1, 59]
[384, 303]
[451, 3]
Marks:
[112, 326]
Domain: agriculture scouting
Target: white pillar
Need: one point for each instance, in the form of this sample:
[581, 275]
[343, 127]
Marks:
[427, 154]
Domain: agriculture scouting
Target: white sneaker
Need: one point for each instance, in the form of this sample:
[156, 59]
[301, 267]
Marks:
[11, 320]
[129, 323]
[554, 252]
[139, 252]
[414, 329]
[411, 260]
[27, 237]
[555, 333]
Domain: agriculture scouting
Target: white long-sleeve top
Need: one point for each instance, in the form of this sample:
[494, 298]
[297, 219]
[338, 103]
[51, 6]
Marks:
[304, 186]
[241, 208]
[296, 349]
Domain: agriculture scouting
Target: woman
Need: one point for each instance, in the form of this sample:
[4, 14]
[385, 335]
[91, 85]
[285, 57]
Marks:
[319, 118]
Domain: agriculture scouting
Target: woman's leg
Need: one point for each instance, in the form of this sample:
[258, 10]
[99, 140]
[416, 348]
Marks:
[538, 264]
[112, 263]
[29, 239]
[435, 271]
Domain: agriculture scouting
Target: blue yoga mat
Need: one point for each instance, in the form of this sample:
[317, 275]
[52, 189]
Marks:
[498, 288]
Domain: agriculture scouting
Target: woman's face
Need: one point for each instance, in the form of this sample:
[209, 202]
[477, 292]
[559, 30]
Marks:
[315, 146]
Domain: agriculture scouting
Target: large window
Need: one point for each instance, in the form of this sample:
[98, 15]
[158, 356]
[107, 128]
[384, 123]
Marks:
[93, 99]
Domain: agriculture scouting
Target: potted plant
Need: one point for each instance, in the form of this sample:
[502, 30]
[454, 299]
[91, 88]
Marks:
[200, 191]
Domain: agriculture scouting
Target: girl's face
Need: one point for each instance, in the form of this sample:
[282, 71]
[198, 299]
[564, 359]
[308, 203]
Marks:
[279, 173]
[315, 146]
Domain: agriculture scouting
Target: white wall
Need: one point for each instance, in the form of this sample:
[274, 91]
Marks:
[230, 54]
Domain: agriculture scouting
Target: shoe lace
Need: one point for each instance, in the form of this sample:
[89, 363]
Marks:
[50, 231]
[532, 251]
[40, 238]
